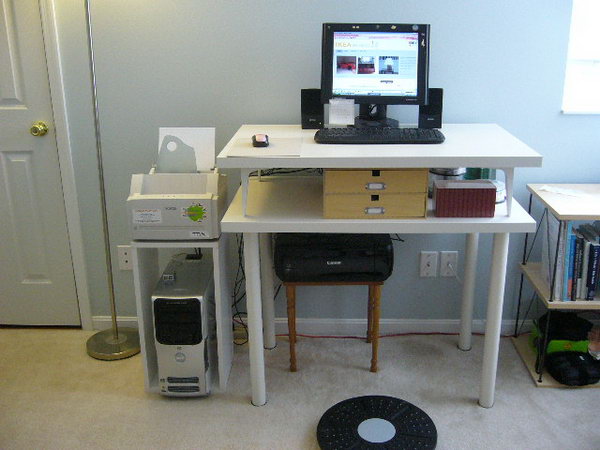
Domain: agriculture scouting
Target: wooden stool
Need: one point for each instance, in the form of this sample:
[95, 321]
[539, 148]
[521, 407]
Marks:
[372, 314]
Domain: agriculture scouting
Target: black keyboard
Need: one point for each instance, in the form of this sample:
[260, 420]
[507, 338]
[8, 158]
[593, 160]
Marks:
[376, 135]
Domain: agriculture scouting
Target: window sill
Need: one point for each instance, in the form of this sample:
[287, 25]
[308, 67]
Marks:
[568, 112]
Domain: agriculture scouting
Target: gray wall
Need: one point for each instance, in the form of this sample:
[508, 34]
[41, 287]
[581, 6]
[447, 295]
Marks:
[222, 64]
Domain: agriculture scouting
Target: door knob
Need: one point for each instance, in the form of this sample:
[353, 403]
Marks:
[39, 128]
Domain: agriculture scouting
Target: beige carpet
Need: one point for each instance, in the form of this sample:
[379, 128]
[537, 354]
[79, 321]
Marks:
[53, 396]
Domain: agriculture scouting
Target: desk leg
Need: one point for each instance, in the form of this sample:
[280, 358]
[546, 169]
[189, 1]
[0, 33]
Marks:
[245, 174]
[494, 319]
[255, 333]
[509, 174]
[466, 316]
[267, 291]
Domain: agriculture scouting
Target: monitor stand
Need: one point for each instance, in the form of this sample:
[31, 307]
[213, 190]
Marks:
[374, 116]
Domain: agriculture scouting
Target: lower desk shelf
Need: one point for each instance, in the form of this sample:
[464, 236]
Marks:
[283, 204]
[528, 356]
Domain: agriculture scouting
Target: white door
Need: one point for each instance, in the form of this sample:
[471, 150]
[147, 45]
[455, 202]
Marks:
[37, 285]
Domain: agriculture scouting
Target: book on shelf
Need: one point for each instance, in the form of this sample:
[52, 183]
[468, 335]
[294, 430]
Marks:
[577, 266]
[593, 267]
[584, 268]
[577, 259]
[569, 264]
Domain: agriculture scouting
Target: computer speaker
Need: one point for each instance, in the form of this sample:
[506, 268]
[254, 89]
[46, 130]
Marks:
[430, 115]
[312, 109]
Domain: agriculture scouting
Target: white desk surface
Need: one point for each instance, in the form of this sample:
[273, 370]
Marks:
[281, 204]
[569, 201]
[466, 145]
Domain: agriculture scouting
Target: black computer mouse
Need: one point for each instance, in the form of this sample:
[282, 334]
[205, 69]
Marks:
[260, 140]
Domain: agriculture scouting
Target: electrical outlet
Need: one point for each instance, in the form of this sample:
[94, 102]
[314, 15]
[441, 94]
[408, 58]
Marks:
[448, 264]
[124, 253]
[428, 264]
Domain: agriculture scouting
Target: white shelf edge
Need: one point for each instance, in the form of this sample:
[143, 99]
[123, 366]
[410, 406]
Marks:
[533, 273]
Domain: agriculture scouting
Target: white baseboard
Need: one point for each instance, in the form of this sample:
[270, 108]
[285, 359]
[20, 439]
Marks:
[350, 327]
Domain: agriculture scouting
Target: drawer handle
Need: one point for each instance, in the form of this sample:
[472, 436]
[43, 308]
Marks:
[374, 210]
[375, 186]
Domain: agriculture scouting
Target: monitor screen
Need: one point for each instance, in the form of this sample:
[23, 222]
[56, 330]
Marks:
[383, 64]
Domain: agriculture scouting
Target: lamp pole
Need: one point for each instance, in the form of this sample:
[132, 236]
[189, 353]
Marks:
[110, 344]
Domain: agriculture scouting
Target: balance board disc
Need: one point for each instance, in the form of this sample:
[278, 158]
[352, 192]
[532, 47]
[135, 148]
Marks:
[375, 422]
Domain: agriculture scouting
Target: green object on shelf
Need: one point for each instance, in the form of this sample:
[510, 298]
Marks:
[477, 173]
[567, 346]
[557, 345]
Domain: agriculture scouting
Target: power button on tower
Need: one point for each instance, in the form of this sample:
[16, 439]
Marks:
[180, 357]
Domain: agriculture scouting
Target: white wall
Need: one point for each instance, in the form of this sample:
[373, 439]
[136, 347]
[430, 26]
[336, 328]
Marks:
[225, 63]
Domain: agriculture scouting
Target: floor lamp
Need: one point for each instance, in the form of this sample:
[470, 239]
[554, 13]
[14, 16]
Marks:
[113, 343]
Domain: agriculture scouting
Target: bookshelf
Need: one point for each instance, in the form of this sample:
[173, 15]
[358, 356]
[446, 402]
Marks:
[533, 273]
[566, 202]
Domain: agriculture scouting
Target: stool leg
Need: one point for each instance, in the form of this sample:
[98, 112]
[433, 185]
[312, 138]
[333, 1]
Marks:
[291, 312]
[370, 314]
[375, 326]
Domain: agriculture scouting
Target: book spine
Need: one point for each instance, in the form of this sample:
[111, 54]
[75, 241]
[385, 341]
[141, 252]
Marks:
[593, 271]
[571, 268]
[566, 246]
[576, 292]
[597, 285]
[584, 268]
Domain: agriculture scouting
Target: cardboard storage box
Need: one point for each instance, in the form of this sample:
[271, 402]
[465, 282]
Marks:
[374, 193]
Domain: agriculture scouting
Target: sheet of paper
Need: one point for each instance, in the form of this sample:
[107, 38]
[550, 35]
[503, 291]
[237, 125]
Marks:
[341, 111]
[565, 191]
[175, 145]
[277, 147]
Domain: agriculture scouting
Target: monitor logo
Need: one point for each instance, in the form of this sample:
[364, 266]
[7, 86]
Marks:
[334, 263]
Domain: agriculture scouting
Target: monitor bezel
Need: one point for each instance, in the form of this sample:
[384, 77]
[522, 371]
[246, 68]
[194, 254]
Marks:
[327, 53]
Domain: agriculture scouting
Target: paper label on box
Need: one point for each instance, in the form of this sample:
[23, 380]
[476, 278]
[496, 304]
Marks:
[147, 216]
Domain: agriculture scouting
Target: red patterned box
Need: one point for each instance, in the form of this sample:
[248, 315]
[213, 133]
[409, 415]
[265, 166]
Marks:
[464, 198]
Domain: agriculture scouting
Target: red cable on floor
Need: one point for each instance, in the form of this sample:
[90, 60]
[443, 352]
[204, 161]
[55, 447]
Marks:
[416, 333]
[433, 333]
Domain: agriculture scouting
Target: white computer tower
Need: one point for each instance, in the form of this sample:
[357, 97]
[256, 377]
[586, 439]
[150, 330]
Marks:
[183, 311]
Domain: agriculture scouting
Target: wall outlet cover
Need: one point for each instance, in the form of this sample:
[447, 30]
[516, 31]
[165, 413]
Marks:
[124, 253]
[448, 263]
[428, 264]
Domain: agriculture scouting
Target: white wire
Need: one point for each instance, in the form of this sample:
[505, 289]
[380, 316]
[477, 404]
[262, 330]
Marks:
[451, 267]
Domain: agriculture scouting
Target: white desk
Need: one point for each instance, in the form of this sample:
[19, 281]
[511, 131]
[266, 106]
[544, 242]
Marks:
[294, 204]
[466, 145]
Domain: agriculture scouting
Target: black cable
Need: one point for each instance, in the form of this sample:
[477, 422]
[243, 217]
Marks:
[535, 235]
[282, 171]
[520, 327]
[238, 288]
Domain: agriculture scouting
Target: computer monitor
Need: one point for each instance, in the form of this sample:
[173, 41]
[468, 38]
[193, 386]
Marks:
[376, 65]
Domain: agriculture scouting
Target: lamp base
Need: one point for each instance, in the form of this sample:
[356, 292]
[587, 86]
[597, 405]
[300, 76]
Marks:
[103, 344]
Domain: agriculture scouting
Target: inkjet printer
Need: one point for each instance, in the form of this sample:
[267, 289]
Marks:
[308, 257]
[184, 197]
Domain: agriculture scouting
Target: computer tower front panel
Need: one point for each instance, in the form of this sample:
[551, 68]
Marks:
[181, 333]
